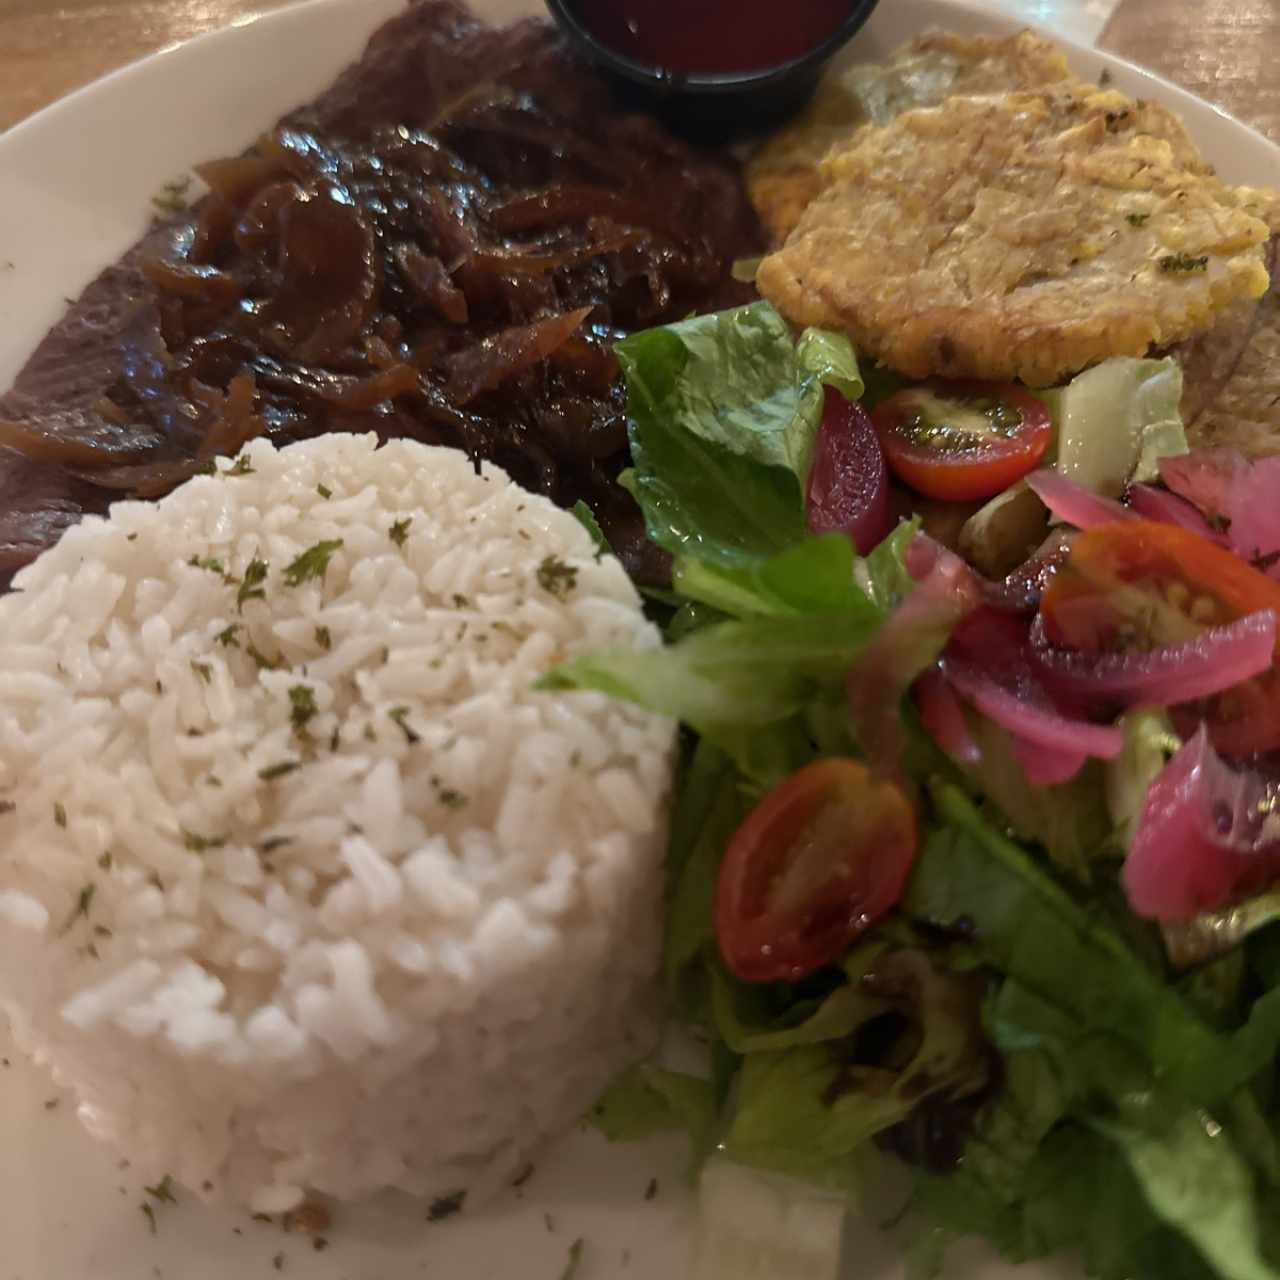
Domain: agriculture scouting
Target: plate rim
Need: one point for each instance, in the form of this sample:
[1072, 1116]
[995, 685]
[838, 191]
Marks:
[977, 15]
[364, 16]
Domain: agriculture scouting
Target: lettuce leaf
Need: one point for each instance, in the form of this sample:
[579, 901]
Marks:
[710, 807]
[1070, 820]
[830, 357]
[731, 378]
[1082, 1152]
[809, 1108]
[734, 675]
[883, 575]
[764, 1018]
[724, 411]
[647, 1099]
[812, 576]
[1116, 420]
[1194, 1180]
[1029, 928]
[1149, 743]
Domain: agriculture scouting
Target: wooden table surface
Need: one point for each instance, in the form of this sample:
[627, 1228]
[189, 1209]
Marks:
[1224, 50]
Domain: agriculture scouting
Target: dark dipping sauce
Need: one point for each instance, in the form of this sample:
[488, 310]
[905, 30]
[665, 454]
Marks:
[445, 257]
[712, 37]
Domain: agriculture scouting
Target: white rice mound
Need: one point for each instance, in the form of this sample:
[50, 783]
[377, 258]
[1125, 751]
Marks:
[378, 915]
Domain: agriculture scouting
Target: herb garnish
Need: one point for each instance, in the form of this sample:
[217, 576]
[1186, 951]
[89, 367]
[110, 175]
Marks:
[460, 602]
[227, 636]
[213, 565]
[1174, 262]
[151, 1216]
[241, 467]
[323, 638]
[399, 715]
[84, 901]
[452, 799]
[586, 518]
[324, 491]
[556, 577]
[575, 1257]
[172, 197]
[162, 1191]
[203, 670]
[274, 771]
[652, 1189]
[302, 707]
[446, 1206]
[312, 563]
[261, 660]
[60, 815]
[274, 843]
[1136, 219]
[105, 860]
[399, 532]
[251, 588]
[202, 844]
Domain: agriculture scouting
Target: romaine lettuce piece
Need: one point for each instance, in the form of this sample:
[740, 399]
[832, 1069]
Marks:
[1196, 1182]
[724, 412]
[830, 357]
[647, 1099]
[1029, 928]
[732, 675]
[809, 1108]
[1069, 821]
[732, 378]
[813, 576]
[1149, 743]
[1116, 421]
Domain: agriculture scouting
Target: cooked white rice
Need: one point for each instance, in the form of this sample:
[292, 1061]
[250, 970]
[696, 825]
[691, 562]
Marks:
[376, 915]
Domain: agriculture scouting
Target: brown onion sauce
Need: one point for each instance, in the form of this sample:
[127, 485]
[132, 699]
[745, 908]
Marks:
[461, 286]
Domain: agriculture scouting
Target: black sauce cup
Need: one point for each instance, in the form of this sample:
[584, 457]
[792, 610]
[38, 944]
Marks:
[711, 107]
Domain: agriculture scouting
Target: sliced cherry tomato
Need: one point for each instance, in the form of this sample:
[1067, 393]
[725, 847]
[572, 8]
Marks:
[848, 482]
[820, 859]
[1138, 585]
[962, 440]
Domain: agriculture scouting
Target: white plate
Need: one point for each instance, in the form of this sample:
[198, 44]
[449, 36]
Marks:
[76, 183]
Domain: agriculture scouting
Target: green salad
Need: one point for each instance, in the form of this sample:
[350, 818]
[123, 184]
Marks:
[896, 942]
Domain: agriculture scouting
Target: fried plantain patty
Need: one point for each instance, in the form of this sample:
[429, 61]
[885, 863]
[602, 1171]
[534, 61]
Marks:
[1020, 235]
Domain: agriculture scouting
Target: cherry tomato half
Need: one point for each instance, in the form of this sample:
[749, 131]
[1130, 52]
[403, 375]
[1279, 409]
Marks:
[962, 440]
[819, 860]
[1140, 584]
